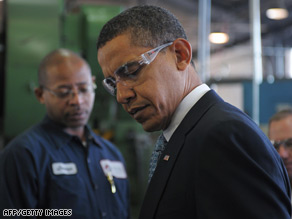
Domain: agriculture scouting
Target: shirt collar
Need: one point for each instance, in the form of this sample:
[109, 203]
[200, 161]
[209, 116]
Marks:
[183, 108]
[94, 137]
[58, 130]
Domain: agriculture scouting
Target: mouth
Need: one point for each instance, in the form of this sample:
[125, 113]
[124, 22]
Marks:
[78, 115]
[288, 164]
[135, 111]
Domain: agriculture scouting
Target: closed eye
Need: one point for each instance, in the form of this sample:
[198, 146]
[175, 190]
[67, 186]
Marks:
[129, 70]
[135, 73]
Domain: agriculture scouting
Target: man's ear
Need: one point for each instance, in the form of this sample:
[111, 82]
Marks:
[39, 94]
[93, 78]
[183, 51]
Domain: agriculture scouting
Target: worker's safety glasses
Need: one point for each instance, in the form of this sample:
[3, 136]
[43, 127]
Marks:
[65, 92]
[287, 143]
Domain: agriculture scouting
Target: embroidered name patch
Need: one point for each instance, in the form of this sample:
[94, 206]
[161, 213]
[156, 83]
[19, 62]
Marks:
[115, 168]
[60, 168]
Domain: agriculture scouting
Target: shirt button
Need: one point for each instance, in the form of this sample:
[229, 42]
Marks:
[103, 214]
[88, 160]
[95, 186]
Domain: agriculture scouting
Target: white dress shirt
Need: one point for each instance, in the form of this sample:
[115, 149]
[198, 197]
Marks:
[183, 108]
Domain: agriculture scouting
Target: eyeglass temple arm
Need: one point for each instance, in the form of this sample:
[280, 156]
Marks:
[149, 56]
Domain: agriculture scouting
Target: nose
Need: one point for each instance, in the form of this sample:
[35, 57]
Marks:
[76, 97]
[284, 153]
[124, 93]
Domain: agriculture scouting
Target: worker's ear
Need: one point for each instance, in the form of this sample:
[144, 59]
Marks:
[183, 51]
[93, 78]
[39, 92]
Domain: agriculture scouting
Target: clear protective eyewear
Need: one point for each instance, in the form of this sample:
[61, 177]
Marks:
[66, 92]
[287, 143]
[129, 71]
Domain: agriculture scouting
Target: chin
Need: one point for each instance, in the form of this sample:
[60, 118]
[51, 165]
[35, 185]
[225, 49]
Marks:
[76, 124]
[148, 127]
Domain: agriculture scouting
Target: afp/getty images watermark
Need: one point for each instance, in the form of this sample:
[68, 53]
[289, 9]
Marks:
[37, 212]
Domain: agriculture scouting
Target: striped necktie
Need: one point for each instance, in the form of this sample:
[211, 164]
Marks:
[159, 148]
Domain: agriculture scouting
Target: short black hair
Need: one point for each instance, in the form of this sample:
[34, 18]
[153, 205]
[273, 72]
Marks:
[148, 26]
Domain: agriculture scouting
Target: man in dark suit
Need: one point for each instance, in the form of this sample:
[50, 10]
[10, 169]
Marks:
[216, 163]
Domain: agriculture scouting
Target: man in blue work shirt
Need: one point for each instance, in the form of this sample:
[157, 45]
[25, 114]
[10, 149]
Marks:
[60, 167]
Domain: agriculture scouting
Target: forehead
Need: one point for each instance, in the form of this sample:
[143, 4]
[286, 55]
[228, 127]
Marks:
[281, 129]
[68, 72]
[117, 52]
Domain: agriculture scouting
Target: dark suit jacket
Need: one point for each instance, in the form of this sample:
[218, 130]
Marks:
[221, 165]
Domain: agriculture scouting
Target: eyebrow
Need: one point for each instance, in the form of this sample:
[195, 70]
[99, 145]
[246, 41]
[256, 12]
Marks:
[70, 85]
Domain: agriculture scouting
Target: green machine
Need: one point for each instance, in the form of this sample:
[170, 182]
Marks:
[36, 27]
[32, 30]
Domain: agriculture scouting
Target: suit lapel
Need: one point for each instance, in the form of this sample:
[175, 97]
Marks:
[164, 167]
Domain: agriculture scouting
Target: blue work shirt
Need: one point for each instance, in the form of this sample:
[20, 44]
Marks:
[46, 168]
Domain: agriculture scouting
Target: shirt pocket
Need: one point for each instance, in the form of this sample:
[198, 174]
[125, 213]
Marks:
[67, 191]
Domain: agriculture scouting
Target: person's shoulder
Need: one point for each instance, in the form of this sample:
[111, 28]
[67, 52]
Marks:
[223, 117]
[224, 111]
[25, 141]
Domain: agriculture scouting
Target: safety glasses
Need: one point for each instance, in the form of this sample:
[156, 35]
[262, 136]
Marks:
[287, 143]
[128, 73]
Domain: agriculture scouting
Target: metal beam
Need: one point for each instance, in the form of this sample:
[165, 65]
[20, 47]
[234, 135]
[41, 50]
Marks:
[255, 20]
[203, 42]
